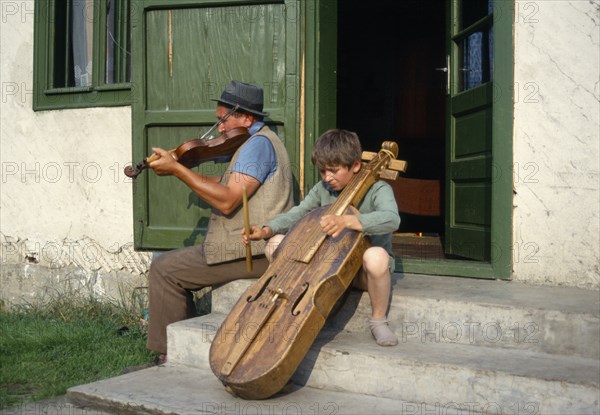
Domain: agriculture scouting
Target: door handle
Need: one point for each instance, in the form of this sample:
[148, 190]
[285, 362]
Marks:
[446, 69]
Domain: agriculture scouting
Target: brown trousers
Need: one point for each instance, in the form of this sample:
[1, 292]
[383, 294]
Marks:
[173, 277]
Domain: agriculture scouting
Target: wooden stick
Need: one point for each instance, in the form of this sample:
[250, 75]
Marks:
[302, 125]
[170, 52]
[247, 230]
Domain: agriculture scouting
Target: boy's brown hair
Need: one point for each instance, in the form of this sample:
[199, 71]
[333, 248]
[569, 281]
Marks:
[336, 147]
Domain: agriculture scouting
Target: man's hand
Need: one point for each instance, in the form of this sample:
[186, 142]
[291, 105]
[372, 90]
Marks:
[256, 234]
[166, 164]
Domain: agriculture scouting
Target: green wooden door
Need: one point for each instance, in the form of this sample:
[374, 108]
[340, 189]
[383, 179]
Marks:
[185, 52]
[469, 137]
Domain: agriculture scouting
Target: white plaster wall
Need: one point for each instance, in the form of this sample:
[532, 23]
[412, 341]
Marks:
[556, 143]
[65, 203]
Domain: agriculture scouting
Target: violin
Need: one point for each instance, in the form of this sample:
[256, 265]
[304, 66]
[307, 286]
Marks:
[199, 150]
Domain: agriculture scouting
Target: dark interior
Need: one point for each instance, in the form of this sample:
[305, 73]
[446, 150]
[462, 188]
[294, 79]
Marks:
[389, 89]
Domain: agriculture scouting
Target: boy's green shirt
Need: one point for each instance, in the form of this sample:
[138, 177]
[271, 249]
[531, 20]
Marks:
[378, 212]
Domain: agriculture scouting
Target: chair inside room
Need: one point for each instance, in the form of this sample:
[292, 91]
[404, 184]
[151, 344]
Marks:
[420, 204]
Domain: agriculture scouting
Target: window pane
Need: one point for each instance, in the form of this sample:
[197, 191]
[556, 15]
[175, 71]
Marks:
[82, 39]
[62, 75]
[73, 43]
[471, 11]
[118, 42]
[475, 56]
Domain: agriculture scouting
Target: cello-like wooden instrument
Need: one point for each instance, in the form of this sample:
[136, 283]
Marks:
[272, 326]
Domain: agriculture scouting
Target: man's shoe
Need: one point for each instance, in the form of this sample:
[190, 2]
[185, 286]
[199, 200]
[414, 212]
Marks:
[157, 361]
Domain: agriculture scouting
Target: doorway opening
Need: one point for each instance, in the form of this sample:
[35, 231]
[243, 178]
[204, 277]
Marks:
[391, 86]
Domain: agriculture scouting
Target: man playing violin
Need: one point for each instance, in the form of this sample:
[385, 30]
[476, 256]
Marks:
[258, 167]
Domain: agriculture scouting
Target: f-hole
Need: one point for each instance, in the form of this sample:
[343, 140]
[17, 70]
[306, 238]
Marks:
[262, 290]
[300, 297]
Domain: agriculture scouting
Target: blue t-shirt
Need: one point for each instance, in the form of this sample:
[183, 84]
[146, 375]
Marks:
[257, 157]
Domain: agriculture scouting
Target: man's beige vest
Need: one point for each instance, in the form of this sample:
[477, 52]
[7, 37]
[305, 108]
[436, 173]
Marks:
[223, 240]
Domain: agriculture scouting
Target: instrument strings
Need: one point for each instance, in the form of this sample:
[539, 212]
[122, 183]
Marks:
[315, 236]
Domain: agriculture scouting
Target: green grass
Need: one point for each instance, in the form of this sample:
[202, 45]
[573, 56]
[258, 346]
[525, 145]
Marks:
[46, 350]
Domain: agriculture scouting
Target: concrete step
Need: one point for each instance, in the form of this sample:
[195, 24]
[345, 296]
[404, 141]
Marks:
[466, 346]
[491, 313]
[444, 375]
[179, 390]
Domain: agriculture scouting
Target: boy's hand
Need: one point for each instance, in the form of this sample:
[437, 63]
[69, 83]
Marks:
[256, 234]
[333, 225]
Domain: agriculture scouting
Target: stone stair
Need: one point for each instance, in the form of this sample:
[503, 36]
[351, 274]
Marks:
[466, 346]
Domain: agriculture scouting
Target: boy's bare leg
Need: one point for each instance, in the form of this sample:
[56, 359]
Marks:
[378, 280]
[375, 278]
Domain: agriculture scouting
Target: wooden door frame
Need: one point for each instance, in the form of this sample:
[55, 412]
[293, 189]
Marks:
[319, 27]
[320, 52]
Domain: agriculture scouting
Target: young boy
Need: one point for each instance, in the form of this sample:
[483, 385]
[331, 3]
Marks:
[337, 156]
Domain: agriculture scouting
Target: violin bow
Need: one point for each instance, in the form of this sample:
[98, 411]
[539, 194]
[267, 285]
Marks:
[247, 229]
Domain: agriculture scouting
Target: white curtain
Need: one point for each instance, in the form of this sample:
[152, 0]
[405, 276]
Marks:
[478, 57]
[82, 38]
